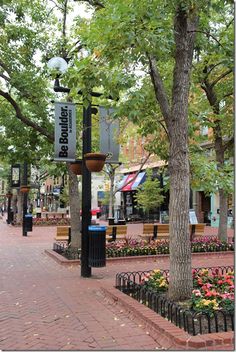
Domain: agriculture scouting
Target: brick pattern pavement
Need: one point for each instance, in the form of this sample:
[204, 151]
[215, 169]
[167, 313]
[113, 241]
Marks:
[45, 306]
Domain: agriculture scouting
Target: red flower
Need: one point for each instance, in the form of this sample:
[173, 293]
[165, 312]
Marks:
[199, 281]
[211, 294]
[229, 282]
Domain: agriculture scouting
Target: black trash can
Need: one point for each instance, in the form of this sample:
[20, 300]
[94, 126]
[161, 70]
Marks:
[111, 221]
[97, 246]
[121, 222]
[28, 222]
[10, 217]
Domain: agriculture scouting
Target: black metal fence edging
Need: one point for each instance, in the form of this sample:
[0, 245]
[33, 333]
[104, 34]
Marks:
[192, 322]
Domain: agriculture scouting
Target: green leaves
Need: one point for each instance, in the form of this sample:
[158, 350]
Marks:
[207, 177]
[149, 195]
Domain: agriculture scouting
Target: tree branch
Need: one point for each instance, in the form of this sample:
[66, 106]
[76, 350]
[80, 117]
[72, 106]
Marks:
[228, 94]
[211, 68]
[159, 88]
[24, 119]
[94, 3]
[229, 144]
[208, 34]
[220, 77]
[5, 77]
[4, 66]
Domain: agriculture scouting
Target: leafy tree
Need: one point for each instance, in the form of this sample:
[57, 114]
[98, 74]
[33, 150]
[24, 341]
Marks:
[213, 75]
[146, 34]
[29, 37]
[148, 194]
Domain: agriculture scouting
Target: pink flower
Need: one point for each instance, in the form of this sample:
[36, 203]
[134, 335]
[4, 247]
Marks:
[197, 293]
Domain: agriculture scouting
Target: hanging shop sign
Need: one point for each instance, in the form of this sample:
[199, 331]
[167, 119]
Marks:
[109, 134]
[15, 176]
[65, 132]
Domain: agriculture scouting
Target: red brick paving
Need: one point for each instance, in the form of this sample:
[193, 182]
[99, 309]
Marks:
[46, 306]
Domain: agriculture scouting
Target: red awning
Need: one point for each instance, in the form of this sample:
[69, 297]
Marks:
[127, 187]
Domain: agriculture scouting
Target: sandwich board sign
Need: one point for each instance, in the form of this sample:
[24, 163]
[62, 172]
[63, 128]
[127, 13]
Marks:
[192, 217]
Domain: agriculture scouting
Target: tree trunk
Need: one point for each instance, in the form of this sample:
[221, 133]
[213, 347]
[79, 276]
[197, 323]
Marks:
[181, 282]
[111, 197]
[74, 200]
[220, 157]
[223, 206]
[176, 118]
[223, 218]
[18, 204]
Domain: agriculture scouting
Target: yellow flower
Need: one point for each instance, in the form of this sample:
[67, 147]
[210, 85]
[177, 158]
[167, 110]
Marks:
[156, 271]
[216, 305]
[206, 302]
[204, 271]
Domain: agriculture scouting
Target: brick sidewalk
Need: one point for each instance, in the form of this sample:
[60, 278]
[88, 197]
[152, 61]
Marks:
[45, 306]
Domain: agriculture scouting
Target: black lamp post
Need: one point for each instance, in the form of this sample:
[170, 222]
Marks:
[9, 219]
[25, 199]
[61, 65]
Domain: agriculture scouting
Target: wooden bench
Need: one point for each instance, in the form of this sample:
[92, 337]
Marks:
[197, 230]
[114, 232]
[161, 231]
[63, 234]
[155, 231]
[52, 215]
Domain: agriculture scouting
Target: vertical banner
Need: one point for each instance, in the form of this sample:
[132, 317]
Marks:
[109, 133]
[15, 176]
[65, 132]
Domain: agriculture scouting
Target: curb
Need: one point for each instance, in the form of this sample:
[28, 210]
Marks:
[164, 332]
[63, 261]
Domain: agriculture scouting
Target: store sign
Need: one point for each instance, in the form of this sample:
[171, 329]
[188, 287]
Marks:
[15, 176]
[109, 134]
[65, 132]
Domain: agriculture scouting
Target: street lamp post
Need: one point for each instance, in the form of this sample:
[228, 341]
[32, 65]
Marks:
[25, 199]
[86, 193]
[9, 219]
[61, 65]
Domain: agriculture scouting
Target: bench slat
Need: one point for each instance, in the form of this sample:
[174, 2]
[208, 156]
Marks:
[62, 233]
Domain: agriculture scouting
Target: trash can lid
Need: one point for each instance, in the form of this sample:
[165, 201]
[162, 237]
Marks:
[28, 215]
[97, 228]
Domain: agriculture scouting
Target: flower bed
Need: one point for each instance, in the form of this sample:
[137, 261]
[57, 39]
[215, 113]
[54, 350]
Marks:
[210, 309]
[48, 222]
[51, 222]
[130, 248]
[136, 248]
[212, 291]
